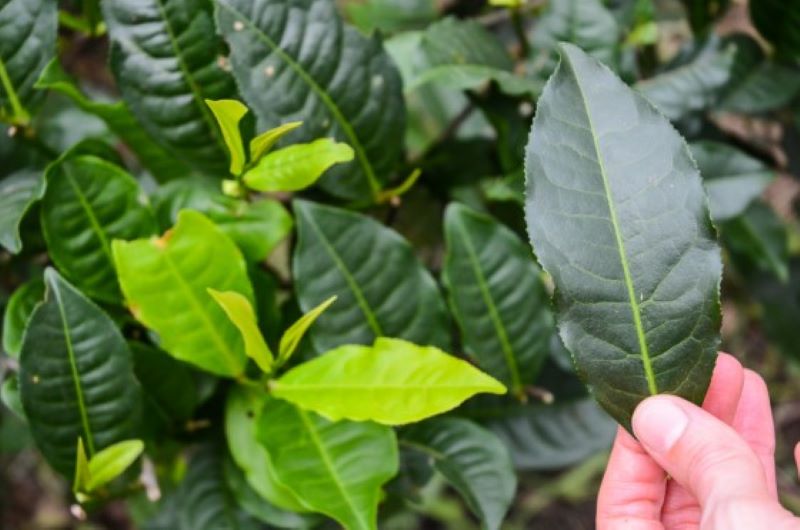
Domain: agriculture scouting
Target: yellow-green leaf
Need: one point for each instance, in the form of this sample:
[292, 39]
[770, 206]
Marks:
[292, 336]
[266, 140]
[111, 462]
[296, 167]
[393, 382]
[229, 113]
[82, 472]
[240, 312]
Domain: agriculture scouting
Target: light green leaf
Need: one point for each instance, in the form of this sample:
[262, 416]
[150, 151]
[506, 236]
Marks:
[292, 336]
[76, 377]
[242, 409]
[18, 192]
[462, 55]
[18, 311]
[393, 382]
[617, 215]
[261, 144]
[111, 462]
[229, 113]
[82, 472]
[240, 312]
[28, 30]
[472, 460]
[166, 80]
[189, 259]
[120, 121]
[296, 167]
[334, 468]
[732, 179]
[353, 96]
[497, 296]
[101, 202]
[382, 288]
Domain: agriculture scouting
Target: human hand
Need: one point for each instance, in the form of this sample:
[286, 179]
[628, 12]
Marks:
[719, 460]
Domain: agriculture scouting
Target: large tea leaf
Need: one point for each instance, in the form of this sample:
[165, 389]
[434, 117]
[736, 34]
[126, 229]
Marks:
[166, 280]
[28, 31]
[617, 215]
[472, 460]
[732, 178]
[333, 468]
[382, 287]
[353, 95]
[120, 121]
[165, 56]
[18, 192]
[497, 297]
[88, 203]
[76, 377]
[393, 382]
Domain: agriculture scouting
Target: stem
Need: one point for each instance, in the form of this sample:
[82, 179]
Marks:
[20, 115]
[518, 23]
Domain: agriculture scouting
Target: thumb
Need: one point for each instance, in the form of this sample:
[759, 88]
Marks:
[703, 454]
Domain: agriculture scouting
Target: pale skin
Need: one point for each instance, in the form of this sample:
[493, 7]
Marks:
[692, 468]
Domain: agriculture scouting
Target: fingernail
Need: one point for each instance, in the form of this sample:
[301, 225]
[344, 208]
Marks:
[659, 423]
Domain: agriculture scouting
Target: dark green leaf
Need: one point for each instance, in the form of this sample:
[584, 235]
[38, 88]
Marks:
[18, 192]
[472, 460]
[779, 22]
[497, 297]
[767, 86]
[382, 288]
[88, 203]
[9, 395]
[165, 56]
[732, 179]
[169, 384]
[391, 15]
[18, 310]
[27, 42]
[354, 95]
[333, 468]
[549, 437]
[758, 239]
[120, 121]
[76, 377]
[617, 215]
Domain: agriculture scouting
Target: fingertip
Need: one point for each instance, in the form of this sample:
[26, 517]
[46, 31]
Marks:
[725, 389]
[659, 422]
[797, 457]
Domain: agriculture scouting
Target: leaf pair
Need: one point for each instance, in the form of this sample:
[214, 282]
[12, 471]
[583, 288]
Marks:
[289, 169]
[103, 467]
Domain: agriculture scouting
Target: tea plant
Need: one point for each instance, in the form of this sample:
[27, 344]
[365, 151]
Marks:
[265, 263]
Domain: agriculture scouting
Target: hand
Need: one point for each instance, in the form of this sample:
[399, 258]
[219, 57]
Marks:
[719, 460]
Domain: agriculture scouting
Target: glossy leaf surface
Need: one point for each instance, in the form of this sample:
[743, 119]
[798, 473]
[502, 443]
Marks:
[164, 55]
[111, 462]
[18, 311]
[472, 460]
[315, 459]
[188, 260]
[732, 179]
[296, 167]
[229, 113]
[617, 215]
[354, 95]
[393, 382]
[88, 203]
[76, 377]
[294, 334]
[497, 296]
[382, 288]
[18, 192]
[241, 313]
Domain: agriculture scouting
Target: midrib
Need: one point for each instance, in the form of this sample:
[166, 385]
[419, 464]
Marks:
[628, 280]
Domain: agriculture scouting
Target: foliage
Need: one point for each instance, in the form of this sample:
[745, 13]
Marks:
[305, 263]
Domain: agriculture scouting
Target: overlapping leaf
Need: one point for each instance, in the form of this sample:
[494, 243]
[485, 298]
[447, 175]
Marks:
[617, 215]
[18, 192]
[333, 468]
[472, 460]
[354, 95]
[382, 288]
[76, 377]
[165, 57]
[18, 310]
[497, 296]
[166, 280]
[88, 203]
